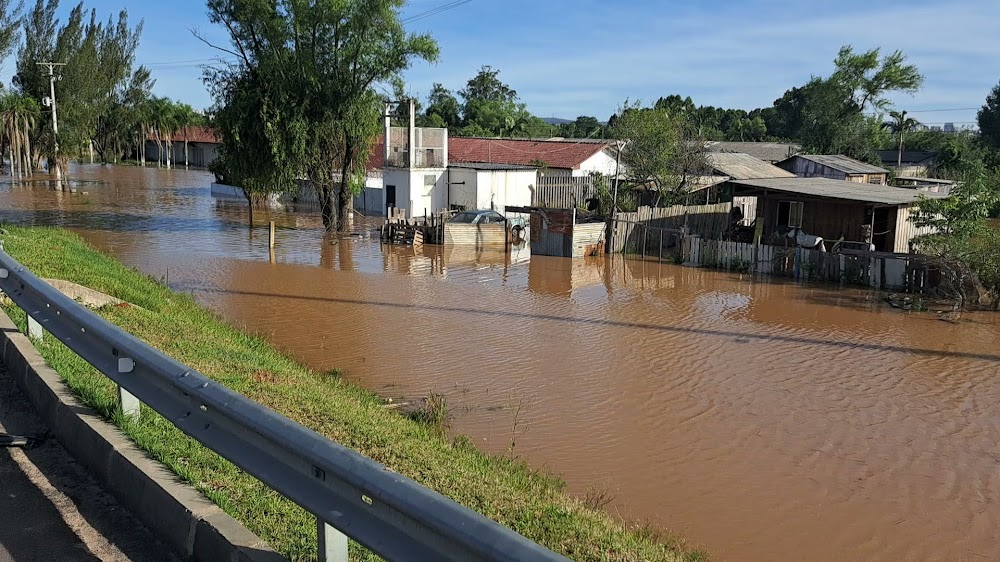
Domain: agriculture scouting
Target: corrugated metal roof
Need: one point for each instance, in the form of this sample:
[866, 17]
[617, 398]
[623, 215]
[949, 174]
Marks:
[767, 151]
[839, 189]
[891, 157]
[745, 167]
[842, 163]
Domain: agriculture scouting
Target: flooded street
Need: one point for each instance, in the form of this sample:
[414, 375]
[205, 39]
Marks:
[762, 420]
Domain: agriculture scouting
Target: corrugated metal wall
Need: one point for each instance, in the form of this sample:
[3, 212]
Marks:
[479, 235]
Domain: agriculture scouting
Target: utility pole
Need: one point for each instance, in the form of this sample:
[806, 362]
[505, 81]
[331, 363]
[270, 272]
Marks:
[51, 100]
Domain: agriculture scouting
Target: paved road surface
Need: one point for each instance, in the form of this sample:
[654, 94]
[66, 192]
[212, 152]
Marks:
[51, 509]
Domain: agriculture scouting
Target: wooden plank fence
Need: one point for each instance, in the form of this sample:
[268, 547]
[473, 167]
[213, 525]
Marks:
[708, 221]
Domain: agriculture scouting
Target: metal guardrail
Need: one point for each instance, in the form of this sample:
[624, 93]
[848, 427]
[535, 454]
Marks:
[348, 493]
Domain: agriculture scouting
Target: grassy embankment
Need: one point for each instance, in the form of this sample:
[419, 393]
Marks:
[508, 491]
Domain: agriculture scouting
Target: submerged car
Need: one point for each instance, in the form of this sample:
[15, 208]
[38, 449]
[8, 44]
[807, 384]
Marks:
[517, 225]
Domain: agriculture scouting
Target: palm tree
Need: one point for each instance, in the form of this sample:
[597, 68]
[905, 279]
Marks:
[17, 117]
[901, 124]
[185, 117]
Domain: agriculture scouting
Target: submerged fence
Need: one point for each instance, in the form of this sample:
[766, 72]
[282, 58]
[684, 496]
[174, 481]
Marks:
[348, 493]
[878, 270]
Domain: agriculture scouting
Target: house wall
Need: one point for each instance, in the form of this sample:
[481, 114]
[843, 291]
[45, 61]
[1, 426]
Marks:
[464, 188]
[417, 191]
[498, 189]
[821, 218]
[906, 230]
[603, 162]
[200, 154]
[809, 169]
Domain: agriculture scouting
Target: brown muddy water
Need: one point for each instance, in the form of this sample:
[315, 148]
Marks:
[763, 420]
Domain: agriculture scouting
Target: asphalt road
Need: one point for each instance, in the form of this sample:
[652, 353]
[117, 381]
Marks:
[52, 509]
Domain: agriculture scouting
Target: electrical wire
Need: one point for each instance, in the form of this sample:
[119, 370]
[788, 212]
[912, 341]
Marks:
[434, 11]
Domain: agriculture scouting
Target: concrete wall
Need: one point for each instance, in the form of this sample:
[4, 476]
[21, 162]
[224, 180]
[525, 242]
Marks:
[182, 517]
[416, 190]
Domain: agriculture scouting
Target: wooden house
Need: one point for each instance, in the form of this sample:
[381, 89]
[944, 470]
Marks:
[834, 166]
[876, 216]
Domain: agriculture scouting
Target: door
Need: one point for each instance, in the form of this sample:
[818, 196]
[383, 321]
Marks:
[390, 196]
[882, 235]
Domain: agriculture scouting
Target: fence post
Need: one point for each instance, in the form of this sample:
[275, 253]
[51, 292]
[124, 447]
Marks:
[332, 543]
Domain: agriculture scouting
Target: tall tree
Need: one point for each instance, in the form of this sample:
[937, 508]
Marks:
[99, 67]
[10, 24]
[900, 125]
[658, 153]
[487, 86]
[315, 66]
[989, 119]
[443, 109]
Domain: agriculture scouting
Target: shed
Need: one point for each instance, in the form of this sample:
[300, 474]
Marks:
[912, 163]
[836, 209]
[563, 233]
[834, 166]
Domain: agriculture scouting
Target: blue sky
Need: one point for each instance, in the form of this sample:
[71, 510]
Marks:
[584, 57]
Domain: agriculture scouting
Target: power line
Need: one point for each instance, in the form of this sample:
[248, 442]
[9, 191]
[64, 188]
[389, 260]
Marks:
[937, 110]
[435, 11]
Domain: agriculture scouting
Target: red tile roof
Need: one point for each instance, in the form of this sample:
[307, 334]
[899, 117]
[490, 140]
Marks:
[556, 154]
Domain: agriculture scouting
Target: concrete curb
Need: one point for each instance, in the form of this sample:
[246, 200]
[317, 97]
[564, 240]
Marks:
[194, 526]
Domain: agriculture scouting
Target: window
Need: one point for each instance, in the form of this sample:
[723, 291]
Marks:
[790, 214]
[875, 179]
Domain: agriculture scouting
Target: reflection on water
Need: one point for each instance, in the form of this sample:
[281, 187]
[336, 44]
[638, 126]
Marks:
[763, 420]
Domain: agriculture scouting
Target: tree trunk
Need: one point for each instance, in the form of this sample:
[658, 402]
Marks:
[328, 208]
[249, 206]
[899, 160]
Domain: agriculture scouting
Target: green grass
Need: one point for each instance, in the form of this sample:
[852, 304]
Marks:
[503, 489]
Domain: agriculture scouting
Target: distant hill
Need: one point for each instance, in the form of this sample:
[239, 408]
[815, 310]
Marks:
[556, 120]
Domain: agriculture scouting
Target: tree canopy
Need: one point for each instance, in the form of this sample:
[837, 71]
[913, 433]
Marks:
[312, 71]
[988, 119]
[98, 89]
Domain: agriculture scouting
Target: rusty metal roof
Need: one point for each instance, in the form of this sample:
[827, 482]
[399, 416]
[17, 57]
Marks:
[744, 167]
[841, 163]
[839, 189]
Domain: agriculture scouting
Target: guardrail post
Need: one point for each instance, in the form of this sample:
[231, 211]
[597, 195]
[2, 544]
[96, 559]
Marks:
[128, 402]
[332, 543]
[34, 328]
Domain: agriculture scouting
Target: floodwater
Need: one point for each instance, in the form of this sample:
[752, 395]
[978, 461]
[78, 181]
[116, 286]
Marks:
[762, 420]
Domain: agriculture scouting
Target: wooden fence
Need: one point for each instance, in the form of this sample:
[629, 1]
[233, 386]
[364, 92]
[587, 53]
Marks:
[566, 192]
[563, 192]
[708, 221]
